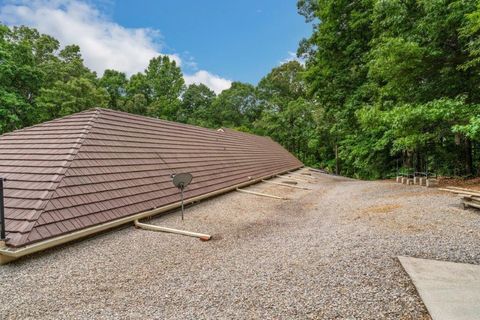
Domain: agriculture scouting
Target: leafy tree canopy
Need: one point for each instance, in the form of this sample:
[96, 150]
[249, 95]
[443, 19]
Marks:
[385, 84]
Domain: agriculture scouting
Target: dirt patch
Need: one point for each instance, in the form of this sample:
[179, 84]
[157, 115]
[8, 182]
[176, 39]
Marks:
[381, 217]
[381, 209]
[473, 183]
[405, 227]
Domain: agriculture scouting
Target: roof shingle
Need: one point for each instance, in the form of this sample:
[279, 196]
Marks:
[100, 165]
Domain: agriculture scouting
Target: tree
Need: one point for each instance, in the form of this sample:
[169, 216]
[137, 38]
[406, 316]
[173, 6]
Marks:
[470, 32]
[418, 63]
[294, 127]
[165, 86]
[236, 107]
[282, 85]
[138, 95]
[73, 96]
[336, 71]
[115, 82]
[71, 65]
[288, 116]
[196, 105]
[20, 75]
[384, 82]
[380, 70]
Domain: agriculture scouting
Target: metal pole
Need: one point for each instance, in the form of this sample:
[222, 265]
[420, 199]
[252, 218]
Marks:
[2, 212]
[181, 189]
[336, 159]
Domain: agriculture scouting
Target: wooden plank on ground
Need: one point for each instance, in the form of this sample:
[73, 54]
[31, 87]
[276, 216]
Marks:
[302, 176]
[261, 194]
[285, 185]
[471, 204]
[462, 191]
[294, 178]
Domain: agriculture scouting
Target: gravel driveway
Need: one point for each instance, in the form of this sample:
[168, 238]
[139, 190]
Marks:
[330, 253]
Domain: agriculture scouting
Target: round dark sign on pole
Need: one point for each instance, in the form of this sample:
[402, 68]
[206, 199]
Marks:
[181, 181]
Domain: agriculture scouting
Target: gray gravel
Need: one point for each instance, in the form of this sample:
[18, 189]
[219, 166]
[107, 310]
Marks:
[328, 253]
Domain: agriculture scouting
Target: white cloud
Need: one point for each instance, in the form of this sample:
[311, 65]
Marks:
[214, 82]
[292, 56]
[188, 61]
[104, 44]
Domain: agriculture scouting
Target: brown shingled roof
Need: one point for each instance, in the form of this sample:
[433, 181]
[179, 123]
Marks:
[101, 165]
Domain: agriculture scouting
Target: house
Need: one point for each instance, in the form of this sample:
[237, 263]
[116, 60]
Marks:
[97, 169]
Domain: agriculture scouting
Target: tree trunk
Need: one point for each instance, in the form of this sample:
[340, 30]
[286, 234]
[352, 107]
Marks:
[408, 159]
[336, 158]
[418, 162]
[468, 157]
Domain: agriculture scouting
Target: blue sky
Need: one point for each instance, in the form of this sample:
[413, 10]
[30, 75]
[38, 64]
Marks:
[240, 40]
[214, 41]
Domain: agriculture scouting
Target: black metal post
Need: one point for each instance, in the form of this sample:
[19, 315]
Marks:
[182, 200]
[2, 212]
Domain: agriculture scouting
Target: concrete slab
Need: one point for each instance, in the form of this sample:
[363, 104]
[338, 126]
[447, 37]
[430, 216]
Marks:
[449, 290]
[423, 181]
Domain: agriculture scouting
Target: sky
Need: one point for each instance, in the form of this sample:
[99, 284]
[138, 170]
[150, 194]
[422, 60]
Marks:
[214, 41]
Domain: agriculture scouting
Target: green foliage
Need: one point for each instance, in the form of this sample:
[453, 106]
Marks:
[196, 105]
[40, 81]
[470, 130]
[65, 98]
[115, 84]
[288, 117]
[165, 85]
[12, 109]
[236, 107]
[387, 85]
[396, 81]
[283, 84]
[24, 53]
